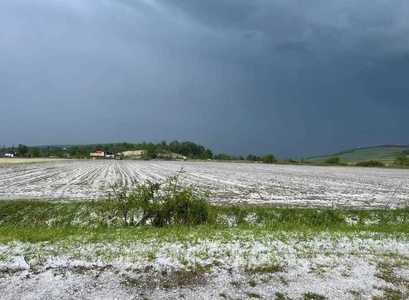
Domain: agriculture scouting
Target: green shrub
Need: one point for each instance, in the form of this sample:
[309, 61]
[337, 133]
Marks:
[223, 156]
[161, 204]
[402, 160]
[269, 159]
[252, 157]
[370, 163]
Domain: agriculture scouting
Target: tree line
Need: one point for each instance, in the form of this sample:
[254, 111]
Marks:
[188, 149]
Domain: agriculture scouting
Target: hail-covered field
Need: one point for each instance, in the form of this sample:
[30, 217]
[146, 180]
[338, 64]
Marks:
[227, 182]
[271, 266]
[224, 261]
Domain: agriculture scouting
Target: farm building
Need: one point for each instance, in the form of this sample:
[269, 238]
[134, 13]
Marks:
[100, 154]
[171, 156]
[133, 154]
[97, 154]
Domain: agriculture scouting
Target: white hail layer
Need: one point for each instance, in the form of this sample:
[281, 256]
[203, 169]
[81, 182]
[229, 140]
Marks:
[227, 182]
[327, 265]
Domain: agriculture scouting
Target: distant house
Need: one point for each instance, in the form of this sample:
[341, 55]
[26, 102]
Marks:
[97, 154]
[9, 155]
[100, 154]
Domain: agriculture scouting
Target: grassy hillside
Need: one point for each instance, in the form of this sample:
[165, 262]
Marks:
[384, 153]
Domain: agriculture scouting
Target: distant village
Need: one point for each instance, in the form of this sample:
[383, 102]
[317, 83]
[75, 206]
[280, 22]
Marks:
[135, 154]
[174, 150]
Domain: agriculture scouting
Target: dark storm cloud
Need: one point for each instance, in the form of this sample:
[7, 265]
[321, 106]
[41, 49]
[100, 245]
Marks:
[289, 77]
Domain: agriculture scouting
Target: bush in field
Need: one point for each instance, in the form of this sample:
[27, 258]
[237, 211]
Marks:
[370, 163]
[252, 157]
[333, 161]
[269, 159]
[223, 156]
[402, 160]
[162, 204]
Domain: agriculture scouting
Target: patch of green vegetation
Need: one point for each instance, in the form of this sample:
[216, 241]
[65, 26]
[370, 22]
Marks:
[161, 204]
[166, 280]
[269, 159]
[386, 272]
[269, 268]
[36, 220]
[252, 295]
[402, 159]
[370, 163]
[391, 294]
[252, 282]
[355, 294]
[333, 160]
[319, 270]
[384, 153]
[281, 296]
[313, 296]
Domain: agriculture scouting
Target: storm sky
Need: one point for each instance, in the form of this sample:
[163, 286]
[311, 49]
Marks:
[289, 77]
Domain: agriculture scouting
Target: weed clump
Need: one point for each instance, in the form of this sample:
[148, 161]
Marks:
[160, 204]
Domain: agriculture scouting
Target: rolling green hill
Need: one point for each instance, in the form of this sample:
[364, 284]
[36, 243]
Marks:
[383, 153]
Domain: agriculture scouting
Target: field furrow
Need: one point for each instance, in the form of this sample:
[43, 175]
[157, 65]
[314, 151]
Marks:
[280, 185]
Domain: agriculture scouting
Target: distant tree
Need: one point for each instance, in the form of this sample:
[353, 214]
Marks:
[206, 154]
[74, 151]
[22, 150]
[402, 160]
[252, 157]
[333, 160]
[370, 163]
[223, 156]
[269, 159]
[35, 152]
[150, 152]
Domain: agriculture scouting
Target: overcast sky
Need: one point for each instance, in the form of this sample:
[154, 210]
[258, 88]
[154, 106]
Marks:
[283, 76]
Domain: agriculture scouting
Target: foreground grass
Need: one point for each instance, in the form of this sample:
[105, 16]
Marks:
[33, 221]
[64, 248]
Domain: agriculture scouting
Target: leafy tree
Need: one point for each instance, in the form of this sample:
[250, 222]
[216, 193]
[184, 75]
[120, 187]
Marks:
[269, 159]
[223, 156]
[22, 150]
[35, 152]
[370, 163]
[402, 160]
[252, 157]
